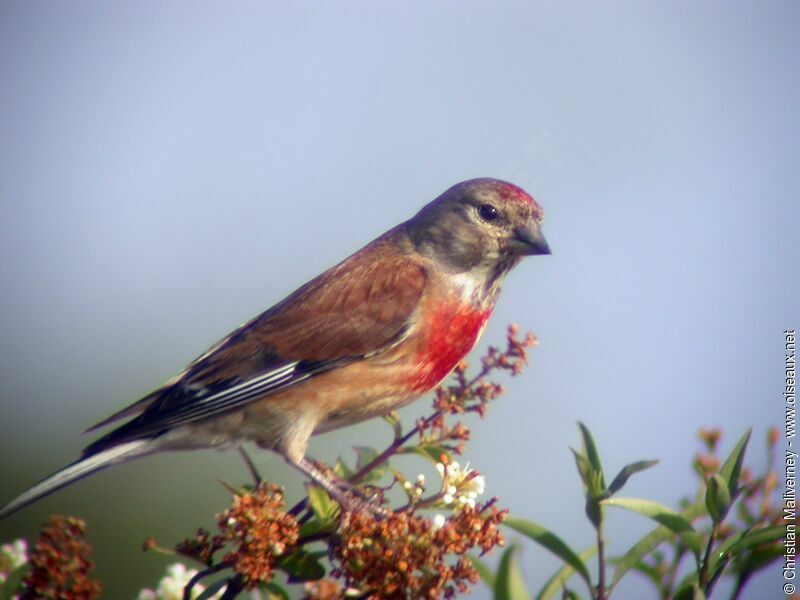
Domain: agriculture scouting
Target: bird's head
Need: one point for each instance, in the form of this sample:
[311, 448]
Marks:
[480, 226]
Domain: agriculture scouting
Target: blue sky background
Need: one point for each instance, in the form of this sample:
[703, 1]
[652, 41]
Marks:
[168, 170]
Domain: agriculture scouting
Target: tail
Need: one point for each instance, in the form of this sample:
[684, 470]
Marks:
[78, 470]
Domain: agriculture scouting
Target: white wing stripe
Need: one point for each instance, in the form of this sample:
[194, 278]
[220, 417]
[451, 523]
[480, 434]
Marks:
[236, 394]
[265, 378]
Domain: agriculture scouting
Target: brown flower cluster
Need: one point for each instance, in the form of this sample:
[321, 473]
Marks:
[259, 529]
[405, 556]
[60, 564]
[201, 547]
[262, 531]
[473, 395]
[707, 463]
[324, 589]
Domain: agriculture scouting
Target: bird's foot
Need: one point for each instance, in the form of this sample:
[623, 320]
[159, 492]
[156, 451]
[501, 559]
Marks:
[350, 497]
[355, 500]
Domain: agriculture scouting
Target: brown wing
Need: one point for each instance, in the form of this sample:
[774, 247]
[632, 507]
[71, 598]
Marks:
[354, 310]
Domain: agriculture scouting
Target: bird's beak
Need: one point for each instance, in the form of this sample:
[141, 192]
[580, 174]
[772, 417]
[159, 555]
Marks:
[529, 240]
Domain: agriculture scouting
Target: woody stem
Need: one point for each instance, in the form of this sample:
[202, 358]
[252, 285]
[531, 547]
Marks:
[392, 449]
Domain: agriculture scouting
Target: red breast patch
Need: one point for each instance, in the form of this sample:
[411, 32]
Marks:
[453, 332]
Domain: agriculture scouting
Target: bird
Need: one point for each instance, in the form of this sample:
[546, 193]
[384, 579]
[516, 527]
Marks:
[371, 334]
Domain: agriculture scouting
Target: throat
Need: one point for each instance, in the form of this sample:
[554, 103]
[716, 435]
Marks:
[480, 286]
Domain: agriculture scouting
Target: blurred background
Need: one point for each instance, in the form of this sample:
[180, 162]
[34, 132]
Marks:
[168, 170]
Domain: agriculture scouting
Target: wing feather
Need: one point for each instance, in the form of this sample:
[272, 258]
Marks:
[359, 308]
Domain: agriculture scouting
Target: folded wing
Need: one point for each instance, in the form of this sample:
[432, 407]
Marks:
[355, 310]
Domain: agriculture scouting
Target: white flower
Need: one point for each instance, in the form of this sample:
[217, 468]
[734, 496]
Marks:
[15, 554]
[171, 585]
[461, 486]
[417, 488]
[12, 556]
[438, 521]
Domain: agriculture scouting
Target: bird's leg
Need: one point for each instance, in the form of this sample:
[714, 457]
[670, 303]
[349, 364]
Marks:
[293, 445]
[251, 466]
[349, 497]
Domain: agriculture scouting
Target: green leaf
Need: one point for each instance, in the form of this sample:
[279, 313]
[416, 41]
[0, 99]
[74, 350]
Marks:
[341, 470]
[593, 487]
[732, 467]
[213, 589]
[487, 576]
[320, 502]
[739, 543]
[594, 511]
[551, 542]
[623, 476]
[365, 456]
[316, 526]
[664, 515]
[323, 507]
[236, 490]
[508, 583]
[758, 558]
[584, 469]
[559, 580]
[13, 583]
[649, 571]
[650, 542]
[275, 592]
[431, 452]
[590, 448]
[302, 566]
[690, 591]
[718, 498]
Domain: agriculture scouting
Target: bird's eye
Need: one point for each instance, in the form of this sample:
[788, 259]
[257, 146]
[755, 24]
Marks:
[488, 213]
